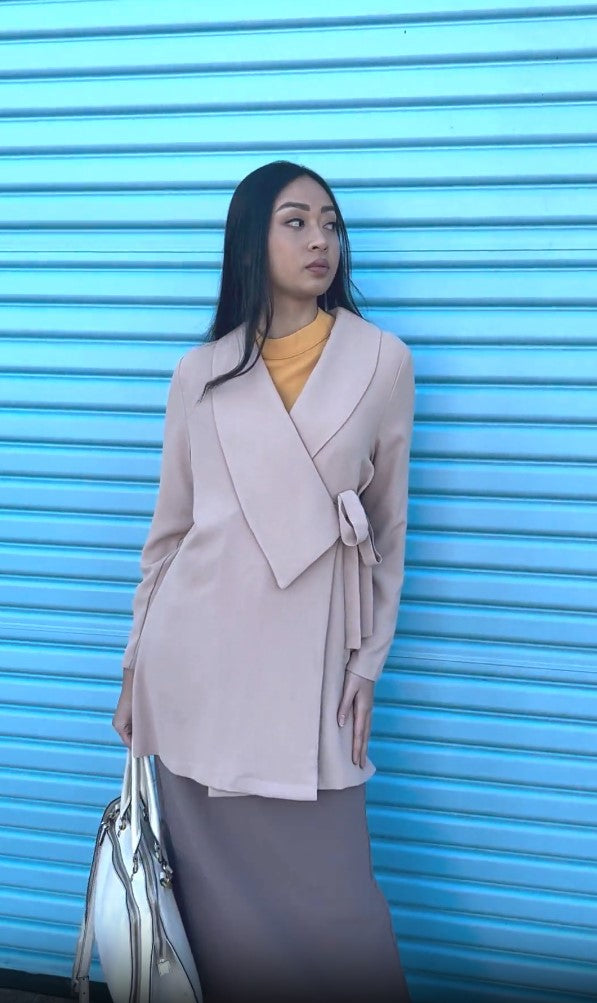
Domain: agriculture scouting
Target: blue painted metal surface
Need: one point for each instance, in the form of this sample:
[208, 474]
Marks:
[460, 140]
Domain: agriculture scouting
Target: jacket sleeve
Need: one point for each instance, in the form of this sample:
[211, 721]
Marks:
[385, 500]
[173, 514]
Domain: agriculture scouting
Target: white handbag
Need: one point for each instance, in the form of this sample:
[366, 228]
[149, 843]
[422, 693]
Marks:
[130, 906]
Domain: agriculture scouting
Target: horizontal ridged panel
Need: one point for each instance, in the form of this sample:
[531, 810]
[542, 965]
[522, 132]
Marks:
[359, 41]
[504, 284]
[459, 139]
[62, 16]
[401, 85]
[529, 324]
[426, 205]
[411, 164]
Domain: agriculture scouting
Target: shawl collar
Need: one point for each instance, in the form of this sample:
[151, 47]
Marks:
[270, 451]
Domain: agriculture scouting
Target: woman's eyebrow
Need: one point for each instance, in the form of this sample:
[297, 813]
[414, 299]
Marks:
[303, 205]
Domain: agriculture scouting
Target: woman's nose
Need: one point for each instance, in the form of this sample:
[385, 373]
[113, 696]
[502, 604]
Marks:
[319, 239]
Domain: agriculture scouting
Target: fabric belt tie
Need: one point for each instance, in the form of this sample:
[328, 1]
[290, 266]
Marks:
[358, 557]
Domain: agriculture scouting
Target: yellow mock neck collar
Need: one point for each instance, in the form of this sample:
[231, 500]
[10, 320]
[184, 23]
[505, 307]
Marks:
[299, 341]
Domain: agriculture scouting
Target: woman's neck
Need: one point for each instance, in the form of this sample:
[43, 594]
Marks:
[289, 317]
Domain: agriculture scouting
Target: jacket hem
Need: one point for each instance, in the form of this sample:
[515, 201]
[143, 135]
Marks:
[265, 788]
[262, 788]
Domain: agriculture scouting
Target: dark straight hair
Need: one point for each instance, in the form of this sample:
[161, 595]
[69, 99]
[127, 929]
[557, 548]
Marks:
[245, 294]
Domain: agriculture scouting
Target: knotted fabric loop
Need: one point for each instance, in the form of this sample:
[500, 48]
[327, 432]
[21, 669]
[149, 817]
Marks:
[358, 557]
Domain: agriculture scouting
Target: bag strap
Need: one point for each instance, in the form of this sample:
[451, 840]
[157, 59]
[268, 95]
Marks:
[79, 984]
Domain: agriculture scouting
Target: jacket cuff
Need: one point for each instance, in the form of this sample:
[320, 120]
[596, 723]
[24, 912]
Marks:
[353, 672]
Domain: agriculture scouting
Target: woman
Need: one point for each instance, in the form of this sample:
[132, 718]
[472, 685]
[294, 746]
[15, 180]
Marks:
[271, 578]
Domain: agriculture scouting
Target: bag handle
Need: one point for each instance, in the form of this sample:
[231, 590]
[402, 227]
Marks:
[151, 801]
[125, 794]
[138, 786]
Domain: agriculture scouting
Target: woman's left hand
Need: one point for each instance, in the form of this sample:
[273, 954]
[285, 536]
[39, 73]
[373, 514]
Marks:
[358, 691]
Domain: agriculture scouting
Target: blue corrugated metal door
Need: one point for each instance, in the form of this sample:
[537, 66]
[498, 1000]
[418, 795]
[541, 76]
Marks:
[460, 140]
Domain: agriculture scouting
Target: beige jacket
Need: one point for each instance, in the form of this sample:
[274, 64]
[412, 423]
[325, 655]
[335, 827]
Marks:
[274, 561]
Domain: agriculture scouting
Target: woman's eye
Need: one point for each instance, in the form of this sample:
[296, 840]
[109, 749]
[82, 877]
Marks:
[296, 219]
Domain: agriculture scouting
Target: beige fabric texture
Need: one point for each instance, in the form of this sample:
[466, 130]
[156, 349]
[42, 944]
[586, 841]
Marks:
[274, 562]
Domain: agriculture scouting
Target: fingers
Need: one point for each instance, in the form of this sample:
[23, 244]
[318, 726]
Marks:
[360, 737]
[125, 737]
[122, 721]
[350, 689]
[358, 695]
[124, 729]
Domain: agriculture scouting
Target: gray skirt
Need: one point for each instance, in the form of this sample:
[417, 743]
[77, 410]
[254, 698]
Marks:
[278, 897]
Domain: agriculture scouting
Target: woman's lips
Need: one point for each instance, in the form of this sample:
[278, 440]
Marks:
[318, 268]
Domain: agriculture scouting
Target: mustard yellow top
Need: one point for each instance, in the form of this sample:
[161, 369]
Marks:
[291, 358]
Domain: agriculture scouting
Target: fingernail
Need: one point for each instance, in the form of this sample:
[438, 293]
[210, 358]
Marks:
[342, 719]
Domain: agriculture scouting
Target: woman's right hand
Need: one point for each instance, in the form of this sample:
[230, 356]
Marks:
[122, 721]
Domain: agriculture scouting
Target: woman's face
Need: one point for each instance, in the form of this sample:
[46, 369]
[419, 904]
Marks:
[299, 234]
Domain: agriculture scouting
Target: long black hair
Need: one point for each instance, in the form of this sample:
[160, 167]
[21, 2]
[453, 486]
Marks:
[245, 293]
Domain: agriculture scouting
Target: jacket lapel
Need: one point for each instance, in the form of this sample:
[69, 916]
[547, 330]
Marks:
[269, 451]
